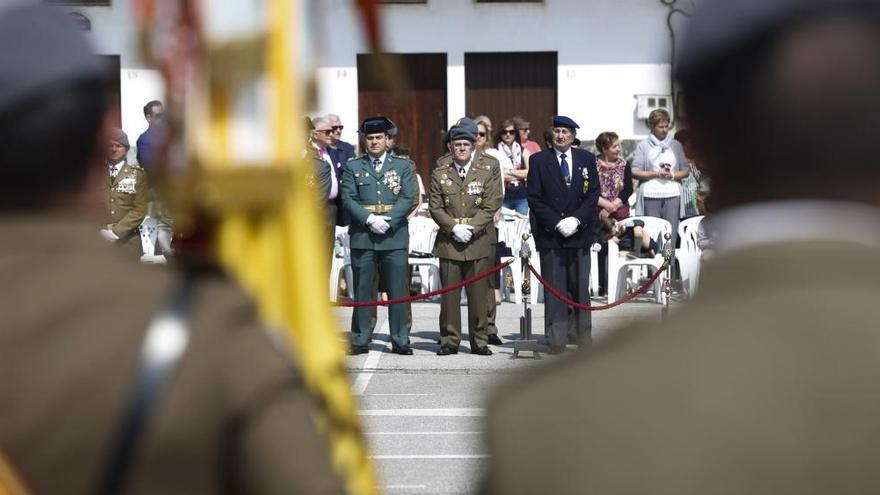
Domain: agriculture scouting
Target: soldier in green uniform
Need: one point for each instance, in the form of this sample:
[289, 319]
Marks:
[127, 195]
[465, 193]
[378, 193]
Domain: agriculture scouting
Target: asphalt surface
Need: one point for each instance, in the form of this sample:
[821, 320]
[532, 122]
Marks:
[424, 415]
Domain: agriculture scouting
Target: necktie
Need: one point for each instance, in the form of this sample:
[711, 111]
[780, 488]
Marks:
[461, 173]
[377, 164]
[564, 165]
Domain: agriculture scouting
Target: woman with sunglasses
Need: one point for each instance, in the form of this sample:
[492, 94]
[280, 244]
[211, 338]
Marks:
[507, 141]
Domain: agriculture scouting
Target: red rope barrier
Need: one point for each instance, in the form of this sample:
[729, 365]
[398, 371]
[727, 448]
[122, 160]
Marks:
[426, 295]
[576, 305]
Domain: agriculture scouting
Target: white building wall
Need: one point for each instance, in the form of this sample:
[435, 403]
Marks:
[609, 51]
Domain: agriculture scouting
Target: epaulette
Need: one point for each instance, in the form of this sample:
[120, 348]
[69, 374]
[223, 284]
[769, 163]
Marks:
[356, 158]
[135, 166]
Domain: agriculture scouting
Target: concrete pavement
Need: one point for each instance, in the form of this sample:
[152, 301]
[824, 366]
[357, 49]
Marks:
[424, 414]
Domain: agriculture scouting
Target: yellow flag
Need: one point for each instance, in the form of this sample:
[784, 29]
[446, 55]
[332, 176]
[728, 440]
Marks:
[281, 256]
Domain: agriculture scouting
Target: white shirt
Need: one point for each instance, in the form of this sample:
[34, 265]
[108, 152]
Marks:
[116, 167]
[568, 161]
[779, 222]
[466, 167]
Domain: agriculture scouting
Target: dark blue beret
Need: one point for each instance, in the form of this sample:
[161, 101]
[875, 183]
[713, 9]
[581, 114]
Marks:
[376, 125]
[563, 121]
[721, 27]
[41, 48]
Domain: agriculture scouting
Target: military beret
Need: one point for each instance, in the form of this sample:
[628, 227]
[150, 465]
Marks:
[376, 125]
[464, 123]
[461, 132]
[121, 137]
[563, 121]
[41, 48]
[392, 128]
[721, 27]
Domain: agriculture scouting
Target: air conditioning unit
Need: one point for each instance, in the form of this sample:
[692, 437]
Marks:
[645, 104]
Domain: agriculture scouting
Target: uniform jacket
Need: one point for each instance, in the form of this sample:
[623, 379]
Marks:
[473, 201]
[765, 383]
[234, 417]
[127, 199]
[550, 200]
[320, 174]
[392, 188]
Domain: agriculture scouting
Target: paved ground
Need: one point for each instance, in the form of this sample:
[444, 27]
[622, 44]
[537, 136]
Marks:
[424, 414]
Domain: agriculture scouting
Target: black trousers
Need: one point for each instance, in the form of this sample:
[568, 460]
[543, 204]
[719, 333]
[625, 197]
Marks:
[568, 271]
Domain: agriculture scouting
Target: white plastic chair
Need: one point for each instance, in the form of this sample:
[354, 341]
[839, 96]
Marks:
[149, 232]
[341, 265]
[619, 269]
[689, 253]
[422, 236]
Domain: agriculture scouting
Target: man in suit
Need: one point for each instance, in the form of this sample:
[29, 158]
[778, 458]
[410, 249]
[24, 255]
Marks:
[126, 195]
[465, 193]
[319, 142]
[339, 153]
[563, 190]
[378, 191]
[767, 381]
[321, 177]
[232, 416]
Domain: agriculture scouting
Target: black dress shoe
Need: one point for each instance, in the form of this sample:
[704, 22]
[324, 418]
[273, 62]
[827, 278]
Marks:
[354, 350]
[447, 350]
[494, 340]
[482, 351]
[403, 350]
[557, 349]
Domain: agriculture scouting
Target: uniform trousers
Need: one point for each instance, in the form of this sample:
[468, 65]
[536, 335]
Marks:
[568, 271]
[392, 268]
[451, 273]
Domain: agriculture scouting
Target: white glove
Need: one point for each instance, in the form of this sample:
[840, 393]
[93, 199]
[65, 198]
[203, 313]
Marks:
[378, 223]
[568, 226]
[462, 232]
[109, 236]
[596, 247]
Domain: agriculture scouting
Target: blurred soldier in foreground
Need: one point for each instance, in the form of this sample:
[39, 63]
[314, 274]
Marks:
[233, 416]
[126, 195]
[465, 193]
[767, 382]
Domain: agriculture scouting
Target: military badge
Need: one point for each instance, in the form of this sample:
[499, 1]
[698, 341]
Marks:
[475, 188]
[127, 185]
[392, 181]
[478, 201]
[586, 185]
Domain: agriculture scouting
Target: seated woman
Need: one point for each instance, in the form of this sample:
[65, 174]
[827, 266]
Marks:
[630, 236]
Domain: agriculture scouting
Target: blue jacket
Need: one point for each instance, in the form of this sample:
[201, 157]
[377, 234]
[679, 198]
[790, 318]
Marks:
[550, 200]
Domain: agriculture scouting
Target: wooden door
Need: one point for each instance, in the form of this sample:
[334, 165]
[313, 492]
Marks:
[409, 89]
[112, 63]
[503, 85]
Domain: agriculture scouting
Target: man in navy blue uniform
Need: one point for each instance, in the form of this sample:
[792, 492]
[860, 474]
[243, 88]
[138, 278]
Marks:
[563, 191]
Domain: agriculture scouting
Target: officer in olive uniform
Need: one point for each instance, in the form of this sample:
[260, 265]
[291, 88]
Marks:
[465, 193]
[127, 195]
[378, 193]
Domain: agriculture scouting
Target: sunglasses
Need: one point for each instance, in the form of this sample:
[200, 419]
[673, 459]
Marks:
[326, 132]
[481, 134]
[337, 128]
[508, 131]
